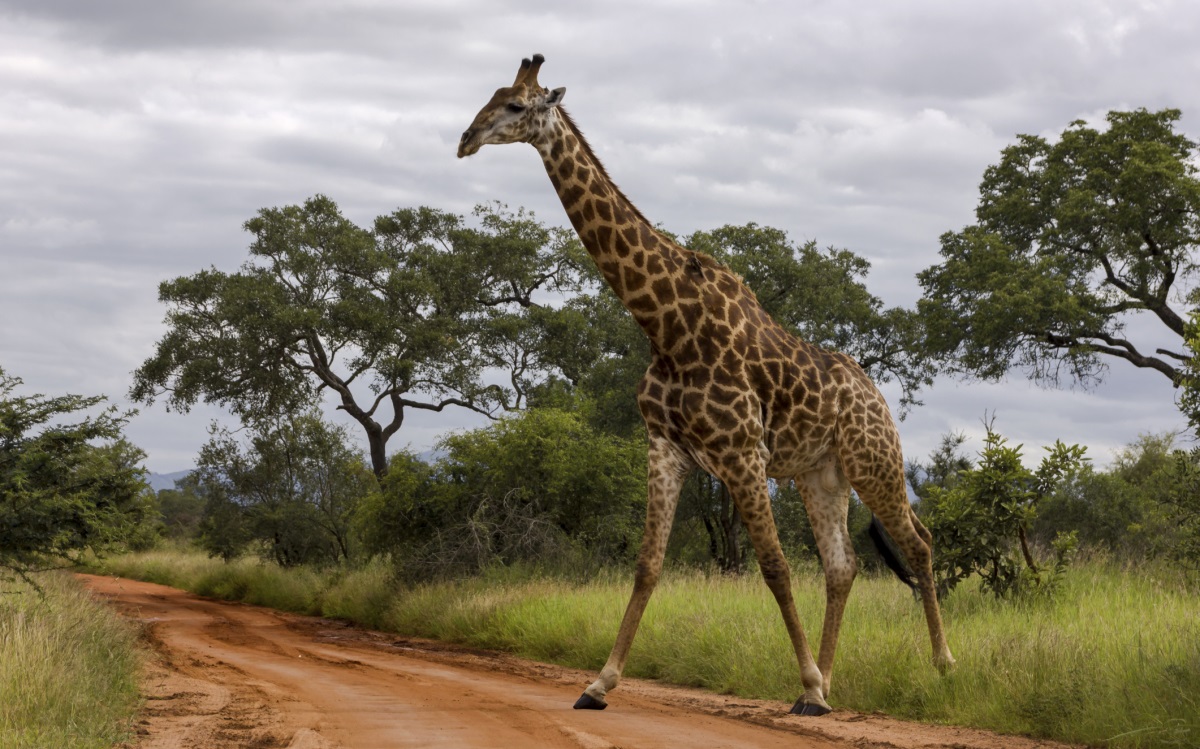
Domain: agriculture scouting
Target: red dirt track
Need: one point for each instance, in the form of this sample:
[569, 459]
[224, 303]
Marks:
[232, 675]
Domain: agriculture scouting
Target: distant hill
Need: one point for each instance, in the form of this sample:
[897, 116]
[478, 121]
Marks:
[160, 481]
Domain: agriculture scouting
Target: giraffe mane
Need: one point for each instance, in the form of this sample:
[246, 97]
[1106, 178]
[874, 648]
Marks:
[703, 257]
[587, 148]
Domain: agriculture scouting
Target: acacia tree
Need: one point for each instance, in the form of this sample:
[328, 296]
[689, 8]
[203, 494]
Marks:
[64, 488]
[408, 315]
[1073, 239]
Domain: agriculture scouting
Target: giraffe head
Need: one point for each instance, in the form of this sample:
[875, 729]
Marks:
[516, 114]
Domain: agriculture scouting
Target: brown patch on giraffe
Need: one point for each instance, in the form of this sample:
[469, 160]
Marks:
[644, 303]
[634, 281]
[571, 196]
[664, 291]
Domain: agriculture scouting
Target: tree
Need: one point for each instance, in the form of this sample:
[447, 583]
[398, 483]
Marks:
[1073, 240]
[1182, 503]
[539, 487]
[64, 488]
[946, 464]
[980, 522]
[1120, 510]
[415, 312]
[181, 509]
[293, 489]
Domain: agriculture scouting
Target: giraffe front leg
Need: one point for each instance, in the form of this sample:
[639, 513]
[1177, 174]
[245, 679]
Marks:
[667, 470]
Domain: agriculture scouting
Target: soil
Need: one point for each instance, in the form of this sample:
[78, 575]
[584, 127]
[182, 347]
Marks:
[232, 675]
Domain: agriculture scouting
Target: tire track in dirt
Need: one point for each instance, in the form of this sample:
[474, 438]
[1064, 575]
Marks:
[233, 675]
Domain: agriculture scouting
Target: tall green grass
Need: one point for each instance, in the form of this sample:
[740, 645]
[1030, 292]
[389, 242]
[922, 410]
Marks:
[68, 668]
[1112, 659]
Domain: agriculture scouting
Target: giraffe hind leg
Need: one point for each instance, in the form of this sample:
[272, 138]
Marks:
[749, 491]
[826, 495]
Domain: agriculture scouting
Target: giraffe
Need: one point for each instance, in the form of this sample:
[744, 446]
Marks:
[728, 391]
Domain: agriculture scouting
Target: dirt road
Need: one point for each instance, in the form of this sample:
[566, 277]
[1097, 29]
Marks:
[232, 675]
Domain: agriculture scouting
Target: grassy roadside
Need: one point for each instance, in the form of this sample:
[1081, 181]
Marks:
[68, 668]
[1113, 660]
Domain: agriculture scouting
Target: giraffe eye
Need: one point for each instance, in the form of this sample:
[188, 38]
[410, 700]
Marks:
[516, 108]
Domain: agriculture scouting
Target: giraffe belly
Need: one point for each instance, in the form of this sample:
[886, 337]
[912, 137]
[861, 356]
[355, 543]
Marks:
[792, 457]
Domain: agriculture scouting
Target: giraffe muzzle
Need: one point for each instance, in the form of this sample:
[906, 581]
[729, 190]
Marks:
[464, 147]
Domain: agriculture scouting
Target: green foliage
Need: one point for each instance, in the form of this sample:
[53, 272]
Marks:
[407, 510]
[1073, 239]
[60, 492]
[590, 485]
[1189, 383]
[946, 464]
[1182, 502]
[181, 509]
[980, 522]
[293, 489]
[538, 487]
[416, 310]
[1120, 510]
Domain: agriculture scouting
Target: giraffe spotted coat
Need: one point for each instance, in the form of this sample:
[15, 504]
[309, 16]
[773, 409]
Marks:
[729, 391]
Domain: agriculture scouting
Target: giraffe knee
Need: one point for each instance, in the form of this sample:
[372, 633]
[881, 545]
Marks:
[776, 573]
[839, 576]
[646, 574]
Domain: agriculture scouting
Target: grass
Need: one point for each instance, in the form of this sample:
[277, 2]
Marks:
[68, 668]
[1113, 659]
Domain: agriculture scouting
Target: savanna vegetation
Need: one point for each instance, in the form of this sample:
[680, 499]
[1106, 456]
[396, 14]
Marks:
[1070, 588]
[68, 665]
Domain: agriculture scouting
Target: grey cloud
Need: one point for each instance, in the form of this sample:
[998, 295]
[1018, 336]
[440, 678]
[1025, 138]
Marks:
[136, 137]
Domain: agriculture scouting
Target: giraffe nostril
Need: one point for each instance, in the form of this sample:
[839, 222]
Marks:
[466, 136]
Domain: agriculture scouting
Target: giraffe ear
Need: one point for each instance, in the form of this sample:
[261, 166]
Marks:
[555, 97]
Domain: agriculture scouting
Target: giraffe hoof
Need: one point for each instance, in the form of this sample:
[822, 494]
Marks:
[809, 708]
[588, 702]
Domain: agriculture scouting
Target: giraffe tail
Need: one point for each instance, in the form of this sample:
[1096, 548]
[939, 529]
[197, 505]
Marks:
[887, 550]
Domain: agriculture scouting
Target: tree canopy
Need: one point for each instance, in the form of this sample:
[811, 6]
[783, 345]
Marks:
[1073, 241]
[291, 489]
[409, 315]
[64, 488]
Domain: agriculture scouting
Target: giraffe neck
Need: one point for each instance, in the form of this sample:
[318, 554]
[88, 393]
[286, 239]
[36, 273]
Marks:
[638, 261]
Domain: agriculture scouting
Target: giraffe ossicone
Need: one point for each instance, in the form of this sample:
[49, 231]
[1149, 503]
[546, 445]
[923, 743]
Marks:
[728, 391]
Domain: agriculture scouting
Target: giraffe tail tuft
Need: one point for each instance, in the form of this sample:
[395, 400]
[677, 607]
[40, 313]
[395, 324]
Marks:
[883, 544]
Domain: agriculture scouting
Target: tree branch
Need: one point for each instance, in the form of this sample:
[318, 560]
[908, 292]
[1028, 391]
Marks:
[1116, 347]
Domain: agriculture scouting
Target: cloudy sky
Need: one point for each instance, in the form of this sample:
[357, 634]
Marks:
[136, 136]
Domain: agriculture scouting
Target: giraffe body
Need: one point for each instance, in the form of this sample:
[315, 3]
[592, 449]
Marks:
[729, 391]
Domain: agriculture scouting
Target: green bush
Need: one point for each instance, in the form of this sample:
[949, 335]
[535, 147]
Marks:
[980, 523]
